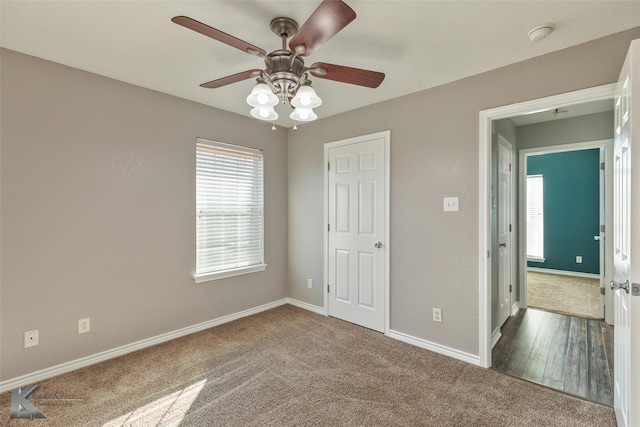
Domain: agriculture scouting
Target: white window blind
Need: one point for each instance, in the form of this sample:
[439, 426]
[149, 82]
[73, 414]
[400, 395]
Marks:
[535, 217]
[229, 210]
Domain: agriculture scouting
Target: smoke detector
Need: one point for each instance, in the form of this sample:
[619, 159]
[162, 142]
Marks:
[538, 33]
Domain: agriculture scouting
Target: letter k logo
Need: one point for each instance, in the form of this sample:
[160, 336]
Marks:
[21, 407]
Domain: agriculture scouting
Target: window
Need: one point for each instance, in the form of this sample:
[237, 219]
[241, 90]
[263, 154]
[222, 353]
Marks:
[535, 218]
[229, 210]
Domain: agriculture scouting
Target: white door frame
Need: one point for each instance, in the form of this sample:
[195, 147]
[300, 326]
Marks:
[484, 193]
[386, 135]
[605, 216]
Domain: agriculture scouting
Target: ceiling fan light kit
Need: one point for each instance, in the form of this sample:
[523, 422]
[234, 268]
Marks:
[303, 115]
[267, 114]
[285, 77]
[261, 96]
[306, 97]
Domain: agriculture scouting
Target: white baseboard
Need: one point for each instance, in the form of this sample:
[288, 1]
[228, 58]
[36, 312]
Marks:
[495, 337]
[83, 362]
[436, 348]
[563, 272]
[314, 308]
[515, 308]
[73, 365]
[400, 336]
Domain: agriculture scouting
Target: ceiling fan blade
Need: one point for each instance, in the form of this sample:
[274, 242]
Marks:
[221, 36]
[340, 73]
[213, 84]
[325, 22]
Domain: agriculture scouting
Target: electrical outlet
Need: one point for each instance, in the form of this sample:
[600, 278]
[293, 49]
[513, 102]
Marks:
[84, 325]
[31, 338]
[437, 315]
[451, 204]
[309, 283]
[578, 259]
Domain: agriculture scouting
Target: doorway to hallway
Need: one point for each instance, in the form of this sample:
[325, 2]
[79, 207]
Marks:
[570, 354]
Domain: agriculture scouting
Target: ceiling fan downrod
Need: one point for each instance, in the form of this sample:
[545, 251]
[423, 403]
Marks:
[284, 68]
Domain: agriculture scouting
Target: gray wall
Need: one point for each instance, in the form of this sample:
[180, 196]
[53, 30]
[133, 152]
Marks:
[98, 213]
[434, 153]
[592, 127]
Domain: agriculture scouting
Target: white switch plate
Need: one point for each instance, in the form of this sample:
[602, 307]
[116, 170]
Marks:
[309, 283]
[578, 259]
[451, 204]
[437, 315]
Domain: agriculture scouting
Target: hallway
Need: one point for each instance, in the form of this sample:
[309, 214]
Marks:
[569, 354]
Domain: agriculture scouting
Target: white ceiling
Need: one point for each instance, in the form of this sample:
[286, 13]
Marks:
[417, 44]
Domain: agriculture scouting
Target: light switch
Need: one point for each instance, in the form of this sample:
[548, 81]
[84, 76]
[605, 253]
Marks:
[451, 204]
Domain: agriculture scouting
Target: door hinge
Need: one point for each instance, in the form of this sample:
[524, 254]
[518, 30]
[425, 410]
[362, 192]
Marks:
[328, 166]
[602, 228]
[510, 288]
[488, 254]
[328, 227]
[328, 288]
[602, 166]
[509, 167]
[509, 228]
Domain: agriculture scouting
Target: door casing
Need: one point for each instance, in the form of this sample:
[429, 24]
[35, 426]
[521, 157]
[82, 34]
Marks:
[386, 135]
[484, 193]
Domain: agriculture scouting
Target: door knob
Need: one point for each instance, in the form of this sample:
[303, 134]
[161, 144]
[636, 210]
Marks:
[598, 237]
[617, 285]
[378, 245]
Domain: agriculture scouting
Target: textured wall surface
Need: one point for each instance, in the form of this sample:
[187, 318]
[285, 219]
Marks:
[97, 203]
[434, 154]
[571, 209]
[98, 213]
[591, 127]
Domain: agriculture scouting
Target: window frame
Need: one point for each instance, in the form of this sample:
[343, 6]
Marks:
[202, 273]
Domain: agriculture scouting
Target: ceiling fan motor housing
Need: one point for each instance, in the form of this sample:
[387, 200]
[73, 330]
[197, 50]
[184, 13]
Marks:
[282, 73]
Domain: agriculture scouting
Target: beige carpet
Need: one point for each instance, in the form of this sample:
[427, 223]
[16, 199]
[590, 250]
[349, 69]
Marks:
[575, 296]
[290, 367]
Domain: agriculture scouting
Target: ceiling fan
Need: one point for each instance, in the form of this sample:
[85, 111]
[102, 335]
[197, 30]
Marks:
[285, 78]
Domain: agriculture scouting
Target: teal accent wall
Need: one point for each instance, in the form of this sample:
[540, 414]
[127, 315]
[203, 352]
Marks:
[571, 209]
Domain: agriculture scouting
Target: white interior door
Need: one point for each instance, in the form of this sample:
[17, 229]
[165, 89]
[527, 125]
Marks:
[626, 265]
[505, 155]
[357, 230]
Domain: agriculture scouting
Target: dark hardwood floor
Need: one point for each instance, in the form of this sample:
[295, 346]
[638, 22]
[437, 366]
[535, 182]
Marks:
[569, 354]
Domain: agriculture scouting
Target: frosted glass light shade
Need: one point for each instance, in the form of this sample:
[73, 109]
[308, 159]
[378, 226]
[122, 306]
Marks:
[262, 96]
[306, 97]
[264, 113]
[303, 115]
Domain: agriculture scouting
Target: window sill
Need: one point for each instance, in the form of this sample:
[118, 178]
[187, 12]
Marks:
[229, 273]
[535, 259]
